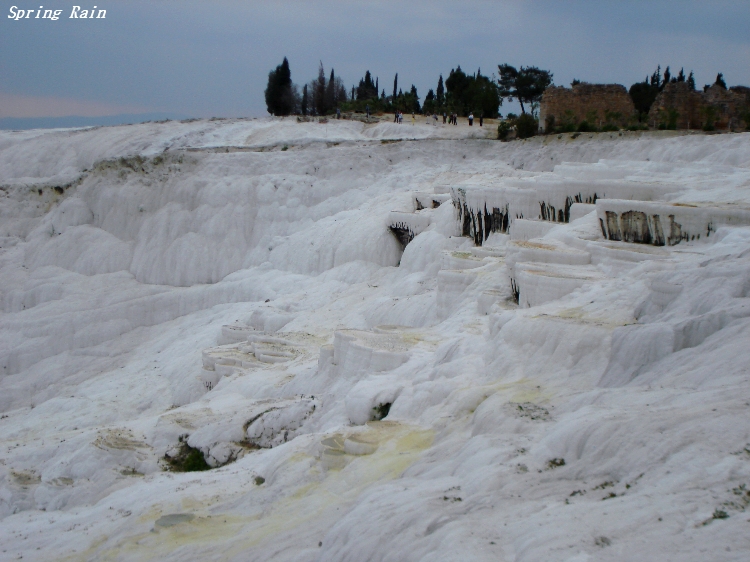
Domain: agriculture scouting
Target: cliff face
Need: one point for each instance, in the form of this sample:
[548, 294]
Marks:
[677, 106]
[598, 104]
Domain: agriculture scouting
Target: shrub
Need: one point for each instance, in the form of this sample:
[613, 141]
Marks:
[609, 127]
[584, 127]
[503, 129]
[526, 126]
[549, 124]
[187, 459]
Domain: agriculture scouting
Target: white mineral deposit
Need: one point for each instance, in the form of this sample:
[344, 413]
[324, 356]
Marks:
[382, 342]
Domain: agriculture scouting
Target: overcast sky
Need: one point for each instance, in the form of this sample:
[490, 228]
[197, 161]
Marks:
[212, 58]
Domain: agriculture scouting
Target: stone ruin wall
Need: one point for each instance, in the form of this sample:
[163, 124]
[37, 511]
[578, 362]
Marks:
[727, 109]
[577, 103]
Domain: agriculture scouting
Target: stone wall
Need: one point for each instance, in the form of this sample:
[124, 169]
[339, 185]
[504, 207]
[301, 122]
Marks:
[604, 103]
[677, 106]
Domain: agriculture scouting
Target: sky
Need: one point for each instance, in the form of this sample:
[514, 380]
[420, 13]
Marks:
[212, 58]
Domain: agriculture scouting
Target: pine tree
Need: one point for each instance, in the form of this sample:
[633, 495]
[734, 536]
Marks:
[527, 84]
[395, 87]
[681, 75]
[691, 80]
[720, 81]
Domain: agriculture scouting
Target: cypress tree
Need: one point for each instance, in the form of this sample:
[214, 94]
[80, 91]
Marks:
[440, 93]
[395, 86]
[305, 100]
[691, 80]
[279, 91]
[331, 91]
[320, 91]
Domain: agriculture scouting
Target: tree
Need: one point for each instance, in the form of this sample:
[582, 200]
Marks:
[681, 75]
[305, 100]
[691, 80]
[457, 84]
[643, 95]
[429, 102]
[440, 93]
[395, 86]
[331, 91]
[280, 92]
[414, 102]
[482, 96]
[667, 76]
[525, 85]
[656, 78]
[720, 81]
[474, 93]
[319, 91]
[367, 89]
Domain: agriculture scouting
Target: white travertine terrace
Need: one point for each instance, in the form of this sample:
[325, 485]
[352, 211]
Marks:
[509, 385]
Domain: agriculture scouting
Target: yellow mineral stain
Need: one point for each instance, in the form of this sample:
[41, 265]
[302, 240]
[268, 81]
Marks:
[299, 511]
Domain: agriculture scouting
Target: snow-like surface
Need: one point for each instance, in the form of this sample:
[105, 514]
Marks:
[621, 375]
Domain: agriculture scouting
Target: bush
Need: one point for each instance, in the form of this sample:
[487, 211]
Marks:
[549, 124]
[609, 127]
[503, 129]
[526, 126]
[584, 127]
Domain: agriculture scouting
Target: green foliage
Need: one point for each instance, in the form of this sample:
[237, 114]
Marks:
[475, 93]
[585, 127]
[643, 95]
[526, 126]
[367, 90]
[430, 106]
[280, 93]
[672, 116]
[503, 130]
[549, 124]
[720, 81]
[305, 101]
[381, 410]
[526, 84]
[610, 127]
[709, 118]
[691, 81]
[188, 459]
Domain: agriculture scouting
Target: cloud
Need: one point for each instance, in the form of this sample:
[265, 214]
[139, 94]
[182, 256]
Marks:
[12, 105]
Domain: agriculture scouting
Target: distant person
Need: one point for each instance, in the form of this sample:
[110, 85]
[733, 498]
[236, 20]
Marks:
[471, 119]
[455, 118]
[400, 118]
[434, 119]
[395, 117]
[445, 115]
[338, 113]
[367, 109]
[412, 118]
[481, 119]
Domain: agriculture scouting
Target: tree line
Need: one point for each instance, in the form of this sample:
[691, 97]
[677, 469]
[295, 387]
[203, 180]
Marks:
[459, 93]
